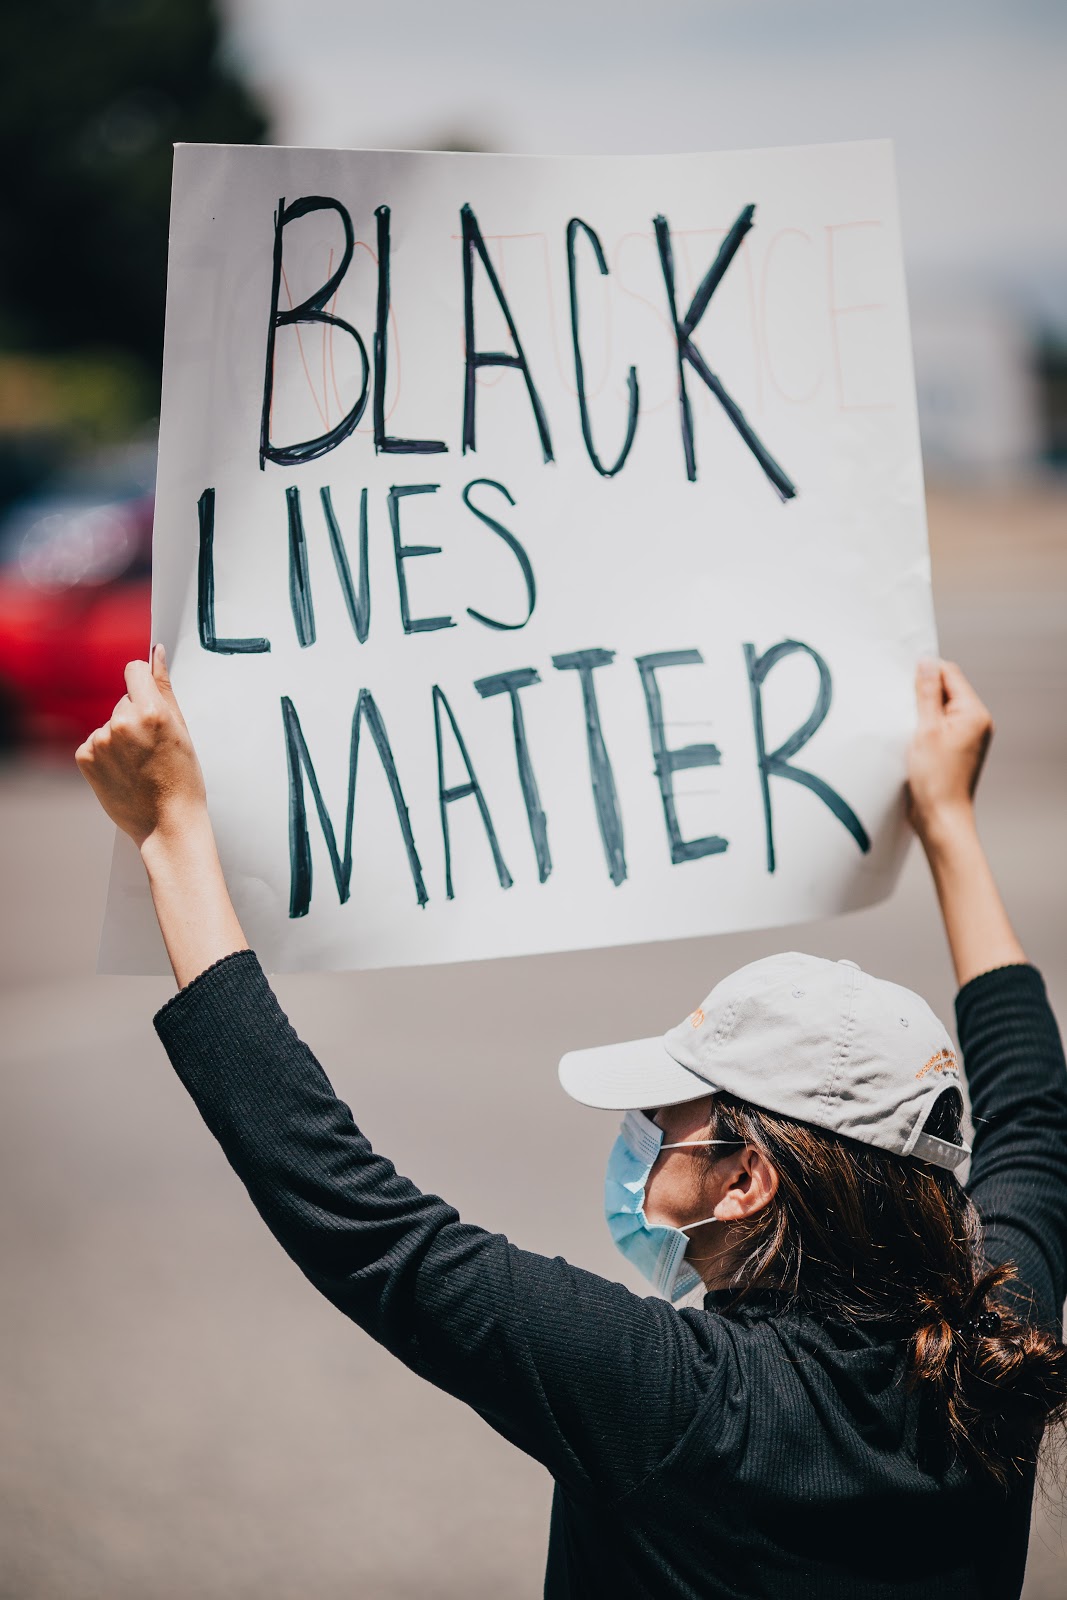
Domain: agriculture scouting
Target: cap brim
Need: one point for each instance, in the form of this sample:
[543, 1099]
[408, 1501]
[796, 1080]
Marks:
[629, 1077]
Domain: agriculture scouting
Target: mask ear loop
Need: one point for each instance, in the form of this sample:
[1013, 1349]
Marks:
[702, 1224]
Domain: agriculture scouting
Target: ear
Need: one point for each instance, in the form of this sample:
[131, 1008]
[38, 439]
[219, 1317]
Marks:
[750, 1183]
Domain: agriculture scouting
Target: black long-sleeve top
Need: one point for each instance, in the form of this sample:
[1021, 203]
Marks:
[695, 1453]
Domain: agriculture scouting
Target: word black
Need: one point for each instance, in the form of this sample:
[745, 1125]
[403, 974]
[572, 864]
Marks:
[475, 258]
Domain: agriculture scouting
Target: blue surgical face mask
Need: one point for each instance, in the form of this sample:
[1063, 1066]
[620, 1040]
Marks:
[656, 1250]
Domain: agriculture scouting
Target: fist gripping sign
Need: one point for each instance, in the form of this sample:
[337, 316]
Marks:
[540, 550]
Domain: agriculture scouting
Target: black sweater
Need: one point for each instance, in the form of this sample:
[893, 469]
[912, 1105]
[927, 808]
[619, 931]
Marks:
[694, 1453]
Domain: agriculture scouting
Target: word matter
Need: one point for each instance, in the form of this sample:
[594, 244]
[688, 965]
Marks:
[584, 663]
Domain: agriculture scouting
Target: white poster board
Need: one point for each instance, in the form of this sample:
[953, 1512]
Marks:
[513, 607]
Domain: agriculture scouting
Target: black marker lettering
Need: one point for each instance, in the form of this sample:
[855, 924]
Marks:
[358, 606]
[775, 763]
[460, 791]
[309, 310]
[687, 351]
[404, 552]
[382, 441]
[299, 758]
[299, 579]
[205, 589]
[510, 683]
[513, 545]
[473, 242]
[579, 367]
[668, 761]
[605, 799]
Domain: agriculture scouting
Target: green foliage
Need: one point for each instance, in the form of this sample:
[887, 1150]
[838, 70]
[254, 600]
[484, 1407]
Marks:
[93, 93]
[85, 398]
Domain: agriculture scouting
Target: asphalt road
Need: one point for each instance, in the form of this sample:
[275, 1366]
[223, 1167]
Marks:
[182, 1416]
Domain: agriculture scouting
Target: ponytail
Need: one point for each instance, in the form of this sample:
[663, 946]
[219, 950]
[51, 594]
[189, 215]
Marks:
[996, 1381]
[859, 1234]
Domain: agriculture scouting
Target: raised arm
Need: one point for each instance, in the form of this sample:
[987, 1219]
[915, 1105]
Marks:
[555, 1358]
[145, 773]
[1011, 1045]
[944, 762]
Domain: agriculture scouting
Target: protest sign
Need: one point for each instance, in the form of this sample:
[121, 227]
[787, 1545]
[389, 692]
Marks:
[540, 547]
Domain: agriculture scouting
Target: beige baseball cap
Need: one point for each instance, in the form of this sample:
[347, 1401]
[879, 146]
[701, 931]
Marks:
[819, 1041]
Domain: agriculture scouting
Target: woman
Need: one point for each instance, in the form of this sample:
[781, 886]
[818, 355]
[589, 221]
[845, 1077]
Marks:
[856, 1408]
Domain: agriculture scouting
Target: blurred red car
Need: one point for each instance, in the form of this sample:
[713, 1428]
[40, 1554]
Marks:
[75, 606]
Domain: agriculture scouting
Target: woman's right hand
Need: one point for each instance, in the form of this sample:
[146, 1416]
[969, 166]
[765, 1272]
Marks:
[947, 749]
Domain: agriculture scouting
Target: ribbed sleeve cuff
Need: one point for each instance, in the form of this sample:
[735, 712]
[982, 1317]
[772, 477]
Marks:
[223, 1027]
[981, 997]
[206, 989]
[197, 987]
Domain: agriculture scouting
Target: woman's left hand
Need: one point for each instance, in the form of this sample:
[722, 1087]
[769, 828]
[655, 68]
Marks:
[142, 765]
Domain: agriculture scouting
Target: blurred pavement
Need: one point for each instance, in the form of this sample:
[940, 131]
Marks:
[182, 1415]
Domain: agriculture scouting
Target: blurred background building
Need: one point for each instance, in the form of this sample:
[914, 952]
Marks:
[182, 1417]
[95, 94]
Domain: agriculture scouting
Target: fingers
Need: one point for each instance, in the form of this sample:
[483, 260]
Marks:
[139, 716]
[928, 688]
[959, 691]
[149, 705]
[964, 702]
[141, 686]
[942, 686]
[85, 754]
[161, 673]
[957, 688]
[983, 751]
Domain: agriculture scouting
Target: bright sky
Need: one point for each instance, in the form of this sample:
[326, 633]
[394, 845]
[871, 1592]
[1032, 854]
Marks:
[972, 92]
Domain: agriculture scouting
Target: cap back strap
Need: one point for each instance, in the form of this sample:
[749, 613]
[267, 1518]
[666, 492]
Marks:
[942, 1152]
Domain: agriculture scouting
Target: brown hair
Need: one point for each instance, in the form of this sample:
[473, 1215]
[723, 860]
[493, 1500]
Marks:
[858, 1234]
